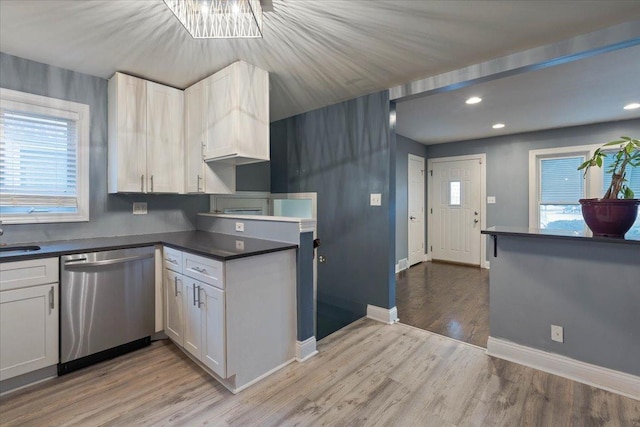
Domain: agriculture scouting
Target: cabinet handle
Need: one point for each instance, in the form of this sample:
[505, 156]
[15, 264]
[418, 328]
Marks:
[51, 301]
[172, 261]
[199, 270]
[199, 302]
[199, 178]
[142, 183]
[194, 294]
[175, 285]
[152, 183]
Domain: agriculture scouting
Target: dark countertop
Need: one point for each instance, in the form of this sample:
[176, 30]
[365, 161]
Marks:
[557, 234]
[222, 247]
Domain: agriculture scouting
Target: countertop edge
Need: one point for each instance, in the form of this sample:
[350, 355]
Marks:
[531, 234]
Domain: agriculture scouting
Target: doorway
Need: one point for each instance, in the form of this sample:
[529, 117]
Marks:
[415, 190]
[457, 188]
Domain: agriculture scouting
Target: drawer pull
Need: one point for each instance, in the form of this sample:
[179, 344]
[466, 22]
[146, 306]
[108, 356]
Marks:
[199, 270]
[172, 261]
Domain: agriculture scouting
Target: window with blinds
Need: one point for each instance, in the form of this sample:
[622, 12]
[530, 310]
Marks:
[561, 185]
[43, 159]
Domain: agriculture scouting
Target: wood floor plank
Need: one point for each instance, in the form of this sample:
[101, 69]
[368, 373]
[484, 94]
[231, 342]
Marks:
[368, 374]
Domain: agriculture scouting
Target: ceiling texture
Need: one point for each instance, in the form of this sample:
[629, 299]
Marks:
[318, 52]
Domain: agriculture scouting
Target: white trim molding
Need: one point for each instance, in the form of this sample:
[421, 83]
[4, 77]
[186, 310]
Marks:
[402, 265]
[306, 349]
[586, 373]
[384, 315]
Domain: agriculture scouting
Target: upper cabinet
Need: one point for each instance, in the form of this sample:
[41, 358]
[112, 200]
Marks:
[199, 176]
[236, 120]
[145, 136]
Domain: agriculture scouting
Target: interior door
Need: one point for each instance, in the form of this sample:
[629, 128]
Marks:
[416, 209]
[456, 211]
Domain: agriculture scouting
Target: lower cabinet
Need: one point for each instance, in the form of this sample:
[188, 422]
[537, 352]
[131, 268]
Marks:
[204, 324]
[28, 329]
[174, 314]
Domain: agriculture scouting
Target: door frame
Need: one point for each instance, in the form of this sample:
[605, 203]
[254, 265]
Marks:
[424, 204]
[482, 157]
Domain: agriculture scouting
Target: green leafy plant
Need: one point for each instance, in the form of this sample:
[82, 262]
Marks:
[628, 154]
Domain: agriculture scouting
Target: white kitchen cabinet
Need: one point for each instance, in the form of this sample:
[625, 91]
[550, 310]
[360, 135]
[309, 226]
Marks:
[146, 138]
[174, 312]
[28, 316]
[199, 176]
[236, 123]
[213, 329]
[192, 319]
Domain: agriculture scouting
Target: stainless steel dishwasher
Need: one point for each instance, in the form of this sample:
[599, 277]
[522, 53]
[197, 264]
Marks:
[107, 305]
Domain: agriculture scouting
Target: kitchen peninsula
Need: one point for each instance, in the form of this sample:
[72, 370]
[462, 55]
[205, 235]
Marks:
[589, 286]
[240, 327]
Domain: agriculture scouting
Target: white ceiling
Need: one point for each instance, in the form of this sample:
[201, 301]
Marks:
[318, 52]
[585, 91]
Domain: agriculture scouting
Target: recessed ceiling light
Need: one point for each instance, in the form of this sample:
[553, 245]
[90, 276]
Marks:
[473, 100]
[498, 126]
[632, 106]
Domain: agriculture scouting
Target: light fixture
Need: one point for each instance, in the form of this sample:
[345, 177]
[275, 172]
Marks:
[219, 19]
[473, 100]
[632, 106]
[498, 126]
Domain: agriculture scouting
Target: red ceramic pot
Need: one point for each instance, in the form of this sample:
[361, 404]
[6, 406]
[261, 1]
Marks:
[609, 217]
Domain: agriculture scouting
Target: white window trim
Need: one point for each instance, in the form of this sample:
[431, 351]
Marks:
[593, 182]
[83, 113]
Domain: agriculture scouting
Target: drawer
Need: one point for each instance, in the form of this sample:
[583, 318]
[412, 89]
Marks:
[206, 270]
[33, 272]
[172, 259]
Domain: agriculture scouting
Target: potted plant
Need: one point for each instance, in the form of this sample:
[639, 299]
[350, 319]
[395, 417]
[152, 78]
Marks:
[615, 213]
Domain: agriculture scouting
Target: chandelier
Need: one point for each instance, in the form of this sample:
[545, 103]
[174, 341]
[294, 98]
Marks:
[219, 19]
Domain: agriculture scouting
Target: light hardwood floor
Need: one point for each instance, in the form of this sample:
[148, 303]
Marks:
[448, 299]
[367, 374]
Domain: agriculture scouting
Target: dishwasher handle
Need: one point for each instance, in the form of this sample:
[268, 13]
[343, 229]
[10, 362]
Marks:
[83, 263]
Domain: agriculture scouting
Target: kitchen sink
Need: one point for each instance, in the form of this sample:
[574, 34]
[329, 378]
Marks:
[17, 250]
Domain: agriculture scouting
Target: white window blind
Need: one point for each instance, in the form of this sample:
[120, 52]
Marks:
[43, 160]
[560, 180]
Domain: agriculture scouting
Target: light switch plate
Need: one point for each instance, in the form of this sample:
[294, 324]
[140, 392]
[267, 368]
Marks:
[376, 199]
[139, 208]
[240, 226]
[491, 199]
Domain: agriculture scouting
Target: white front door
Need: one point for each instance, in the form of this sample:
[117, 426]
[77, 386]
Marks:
[416, 209]
[456, 204]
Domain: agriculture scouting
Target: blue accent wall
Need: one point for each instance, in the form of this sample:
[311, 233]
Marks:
[344, 153]
[110, 215]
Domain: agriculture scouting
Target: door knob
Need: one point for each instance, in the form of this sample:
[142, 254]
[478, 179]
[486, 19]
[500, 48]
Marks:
[475, 212]
[475, 221]
[412, 217]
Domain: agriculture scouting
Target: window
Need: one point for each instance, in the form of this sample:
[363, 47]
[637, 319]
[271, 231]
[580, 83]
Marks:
[454, 193]
[633, 181]
[44, 159]
[556, 185]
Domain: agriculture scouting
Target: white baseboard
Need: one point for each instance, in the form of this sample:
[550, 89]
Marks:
[586, 373]
[384, 315]
[403, 264]
[306, 349]
[487, 265]
[427, 257]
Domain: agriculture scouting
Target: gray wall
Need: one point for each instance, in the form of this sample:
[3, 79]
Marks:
[254, 177]
[109, 214]
[404, 147]
[508, 162]
[590, 288]
[343, 153]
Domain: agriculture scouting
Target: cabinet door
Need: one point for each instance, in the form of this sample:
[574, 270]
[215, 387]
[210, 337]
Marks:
[165, 115]
[127, 134]
[192, 319]
[213, 329]
[28, 329]
[194, 139]
[221, 119]
[174, 319]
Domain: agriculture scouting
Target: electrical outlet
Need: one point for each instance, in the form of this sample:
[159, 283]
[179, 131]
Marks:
[376, 199]
[139, 208]
[491, 200]
[557, 333]
[239, 245]
[240, 226]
